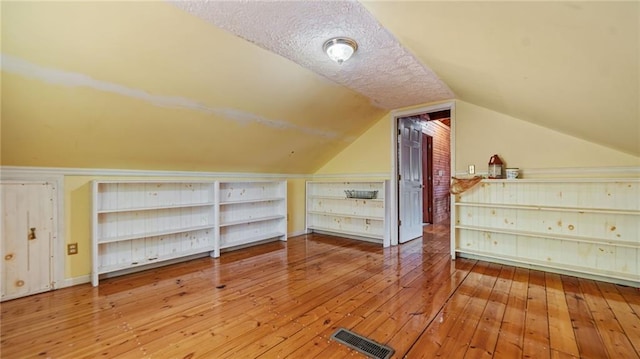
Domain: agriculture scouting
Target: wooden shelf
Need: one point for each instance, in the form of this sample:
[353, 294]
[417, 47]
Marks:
[572, 221]
[152, 234]
[150, 209]
[347, 198]
[251, 212]
[171, 206]
[333, 214]
[251, 220]
[326, 203]
[136, 211]
[562, 237]
[548, 208]
[256, 200]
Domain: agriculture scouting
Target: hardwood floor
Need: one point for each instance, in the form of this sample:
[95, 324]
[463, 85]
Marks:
[286, 299]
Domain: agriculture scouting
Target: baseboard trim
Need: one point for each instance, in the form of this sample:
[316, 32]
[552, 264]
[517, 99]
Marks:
[70, 282]
[296, 234]
[602, 278]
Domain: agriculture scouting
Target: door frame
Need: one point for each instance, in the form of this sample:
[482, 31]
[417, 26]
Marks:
[393, 200]
[58, 251]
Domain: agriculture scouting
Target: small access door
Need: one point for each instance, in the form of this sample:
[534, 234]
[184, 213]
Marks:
[409, 179]
[28, 231]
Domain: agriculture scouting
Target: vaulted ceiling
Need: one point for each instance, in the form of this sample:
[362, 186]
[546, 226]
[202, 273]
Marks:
[244, 86]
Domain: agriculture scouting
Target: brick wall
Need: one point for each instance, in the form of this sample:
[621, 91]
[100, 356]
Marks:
[441, 162]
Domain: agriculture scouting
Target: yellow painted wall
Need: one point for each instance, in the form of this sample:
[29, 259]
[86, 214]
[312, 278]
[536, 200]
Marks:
[481, 132]
[296, 205]
[370, 153]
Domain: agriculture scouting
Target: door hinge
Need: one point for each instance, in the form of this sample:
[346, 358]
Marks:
[429, 209]
[399, 222]
[399, 132]
[399, 177]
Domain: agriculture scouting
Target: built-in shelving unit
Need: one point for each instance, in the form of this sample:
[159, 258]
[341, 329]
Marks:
[252, 212]
[141, 223]
[137, 224]
[329, 210]
[588, 227]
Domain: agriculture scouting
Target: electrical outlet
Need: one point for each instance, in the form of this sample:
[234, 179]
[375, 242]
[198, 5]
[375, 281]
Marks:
[472, 169]
[72, 248]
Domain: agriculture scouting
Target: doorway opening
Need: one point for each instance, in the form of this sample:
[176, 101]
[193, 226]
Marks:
[432, 170]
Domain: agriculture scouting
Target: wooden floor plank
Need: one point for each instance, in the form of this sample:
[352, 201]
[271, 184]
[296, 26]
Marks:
[536, 328]
[483, 342]
[511, 337]
[460, 336]
[433, 337]
[285, 299]
[561, 335]
[613, 336]
[588, 339]
[624, 314]
[632, 297]
[429, 306]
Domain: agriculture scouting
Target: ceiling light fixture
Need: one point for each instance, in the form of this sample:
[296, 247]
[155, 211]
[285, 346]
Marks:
[340, 49]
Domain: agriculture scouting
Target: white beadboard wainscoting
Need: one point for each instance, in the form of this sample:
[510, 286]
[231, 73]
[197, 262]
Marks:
[585, 227]
[330, 210]
[140, 223]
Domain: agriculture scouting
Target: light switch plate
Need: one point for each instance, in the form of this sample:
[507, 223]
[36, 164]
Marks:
[472, 169]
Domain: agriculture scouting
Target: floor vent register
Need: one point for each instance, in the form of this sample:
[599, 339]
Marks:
[363, 345]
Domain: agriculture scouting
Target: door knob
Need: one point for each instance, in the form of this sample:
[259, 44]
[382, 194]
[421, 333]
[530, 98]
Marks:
[32, 234]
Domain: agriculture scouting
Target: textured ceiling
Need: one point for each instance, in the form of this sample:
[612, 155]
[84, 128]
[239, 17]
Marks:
[382, 69]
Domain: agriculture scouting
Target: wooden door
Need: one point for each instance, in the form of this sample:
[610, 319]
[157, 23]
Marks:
[27, 235]
[410, 179]
[427, 178]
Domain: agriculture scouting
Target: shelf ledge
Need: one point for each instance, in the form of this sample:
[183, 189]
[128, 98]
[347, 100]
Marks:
[378, 199]
[168, 206]
[129, 237]
[549, 208]
[590, 240]
[333, 214]
[255, 200]
[251, 220]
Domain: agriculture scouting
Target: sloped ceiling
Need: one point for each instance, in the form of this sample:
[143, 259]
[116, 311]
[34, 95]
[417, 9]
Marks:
[148, 85]
[570, 66]
[145, 85]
